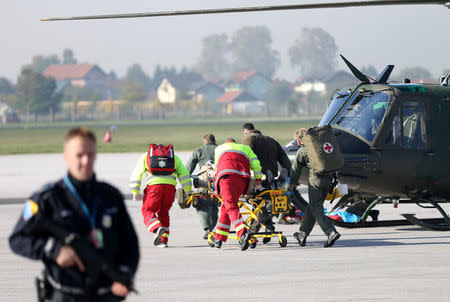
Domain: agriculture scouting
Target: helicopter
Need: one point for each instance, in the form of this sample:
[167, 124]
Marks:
[393, 136]
[395, 143]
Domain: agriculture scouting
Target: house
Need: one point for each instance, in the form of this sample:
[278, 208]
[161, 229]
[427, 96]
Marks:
[77, 75]
[251, 81]
[166, 93]
[240, 101]
[208, 91]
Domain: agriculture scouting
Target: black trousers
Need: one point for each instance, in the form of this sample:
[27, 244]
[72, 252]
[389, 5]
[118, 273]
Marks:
[59, 296]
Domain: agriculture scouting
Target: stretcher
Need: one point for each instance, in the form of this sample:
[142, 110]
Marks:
[270, 201]
[250, 206]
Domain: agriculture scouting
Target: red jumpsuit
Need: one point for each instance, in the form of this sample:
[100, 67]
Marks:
[157, 201]
[234, 162]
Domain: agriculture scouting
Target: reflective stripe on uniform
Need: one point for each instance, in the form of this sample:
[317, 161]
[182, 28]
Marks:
[184, 178]
[186, 184]
[151, 225]
[233, 151]
[166, 235]
[238, 228]
[220, 232]
[161, 176]
[232, 171]
[225, 226]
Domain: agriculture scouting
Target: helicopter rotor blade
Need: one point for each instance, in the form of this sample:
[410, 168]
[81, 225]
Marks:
[255, 9]
[384, 75]
[358, 74]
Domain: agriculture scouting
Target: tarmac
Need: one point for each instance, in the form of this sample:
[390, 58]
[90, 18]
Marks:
[404, 263]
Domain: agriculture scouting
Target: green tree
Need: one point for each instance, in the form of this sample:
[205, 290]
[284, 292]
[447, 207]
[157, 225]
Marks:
[68, 57]
[5, 88]
[213, 60]
[314, 53]
[418, 73]
[251, 50]
[39, 63]
[36, 94]
[135, 74]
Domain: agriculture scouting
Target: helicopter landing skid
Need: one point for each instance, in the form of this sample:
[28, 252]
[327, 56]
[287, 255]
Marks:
[386, 223]
[437, 224]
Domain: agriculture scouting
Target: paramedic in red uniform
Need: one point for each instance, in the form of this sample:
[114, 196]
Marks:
[159, 192]
[234, 162]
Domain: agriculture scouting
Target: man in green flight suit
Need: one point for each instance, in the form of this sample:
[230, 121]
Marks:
[207, 208]
[318, 188]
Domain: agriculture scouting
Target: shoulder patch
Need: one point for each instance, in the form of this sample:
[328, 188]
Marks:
[30, 209]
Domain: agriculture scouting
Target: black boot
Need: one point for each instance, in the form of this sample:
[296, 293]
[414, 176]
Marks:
[301, 238]
[205, 236]
[374, 214]
[244, 240]
[332, 239]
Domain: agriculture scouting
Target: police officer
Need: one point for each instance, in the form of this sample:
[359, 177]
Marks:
[318, 188]
[95, 212]
[207, 209]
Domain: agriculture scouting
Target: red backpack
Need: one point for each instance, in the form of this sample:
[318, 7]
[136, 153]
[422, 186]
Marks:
[160, 160]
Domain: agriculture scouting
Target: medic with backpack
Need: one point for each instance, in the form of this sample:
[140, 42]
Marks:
[158, 169]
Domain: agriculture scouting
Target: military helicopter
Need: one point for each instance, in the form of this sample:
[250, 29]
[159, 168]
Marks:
[395, 143]
[394, 137]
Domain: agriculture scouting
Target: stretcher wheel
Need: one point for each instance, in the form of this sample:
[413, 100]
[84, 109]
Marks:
[253, 245]
[283, 241]
[266, 240]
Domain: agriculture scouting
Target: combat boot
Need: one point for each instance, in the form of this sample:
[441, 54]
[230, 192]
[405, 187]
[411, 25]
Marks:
[158, 235]
[218, 244]
[244, 240]
[301, 238]
[332, 239]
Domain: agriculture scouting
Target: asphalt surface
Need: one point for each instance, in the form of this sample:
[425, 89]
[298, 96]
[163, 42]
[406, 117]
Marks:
[374, 264]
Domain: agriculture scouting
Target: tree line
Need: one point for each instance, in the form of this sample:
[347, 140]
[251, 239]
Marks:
[313, 54]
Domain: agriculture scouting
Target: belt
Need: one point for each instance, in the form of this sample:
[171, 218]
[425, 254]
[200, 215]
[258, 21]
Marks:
[76, 291]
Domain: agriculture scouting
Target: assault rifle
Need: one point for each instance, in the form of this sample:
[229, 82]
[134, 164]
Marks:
[93, 261]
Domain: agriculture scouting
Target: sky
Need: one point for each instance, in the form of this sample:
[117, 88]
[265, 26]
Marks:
[405, 36]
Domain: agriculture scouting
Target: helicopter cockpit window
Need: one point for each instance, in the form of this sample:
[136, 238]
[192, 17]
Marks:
[338, 98]
[414, 128]
[365, 113]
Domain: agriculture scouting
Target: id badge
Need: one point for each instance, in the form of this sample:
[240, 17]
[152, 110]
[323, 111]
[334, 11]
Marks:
[97, 238]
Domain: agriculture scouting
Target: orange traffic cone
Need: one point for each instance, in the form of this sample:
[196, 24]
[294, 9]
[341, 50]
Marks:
[107, 138]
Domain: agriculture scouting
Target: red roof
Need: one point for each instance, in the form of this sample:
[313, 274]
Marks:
[67, 71]
[229, 96]
[243, 76]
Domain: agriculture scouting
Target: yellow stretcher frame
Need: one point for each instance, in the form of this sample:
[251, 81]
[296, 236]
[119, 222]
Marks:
[257, 201]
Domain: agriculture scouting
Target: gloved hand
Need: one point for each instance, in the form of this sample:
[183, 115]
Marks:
[137, 197]
[288, 193]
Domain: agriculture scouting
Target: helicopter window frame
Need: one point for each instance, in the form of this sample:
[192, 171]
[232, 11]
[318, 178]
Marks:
[397, 121]
[374, 122]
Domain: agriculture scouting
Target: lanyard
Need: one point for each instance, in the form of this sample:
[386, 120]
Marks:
[85, 209]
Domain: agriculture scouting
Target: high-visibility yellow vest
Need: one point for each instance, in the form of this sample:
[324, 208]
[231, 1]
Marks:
[141, 174]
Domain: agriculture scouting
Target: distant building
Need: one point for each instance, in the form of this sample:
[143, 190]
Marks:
[251, 81]
[242, 102]
[77, 75]
[166, 93]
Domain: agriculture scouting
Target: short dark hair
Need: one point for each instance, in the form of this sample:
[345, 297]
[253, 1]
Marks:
[209, 138]
[248, 126]
[82, 132]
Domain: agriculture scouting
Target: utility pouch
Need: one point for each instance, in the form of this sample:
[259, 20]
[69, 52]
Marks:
[43, 287]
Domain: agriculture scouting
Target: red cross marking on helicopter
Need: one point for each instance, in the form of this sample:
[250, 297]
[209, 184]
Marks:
[327, 147]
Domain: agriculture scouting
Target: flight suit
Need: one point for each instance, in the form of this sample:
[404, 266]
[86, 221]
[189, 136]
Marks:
[207, 208]
[318, 188]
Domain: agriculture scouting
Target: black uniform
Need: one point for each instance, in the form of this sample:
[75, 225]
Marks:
[57, 203]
